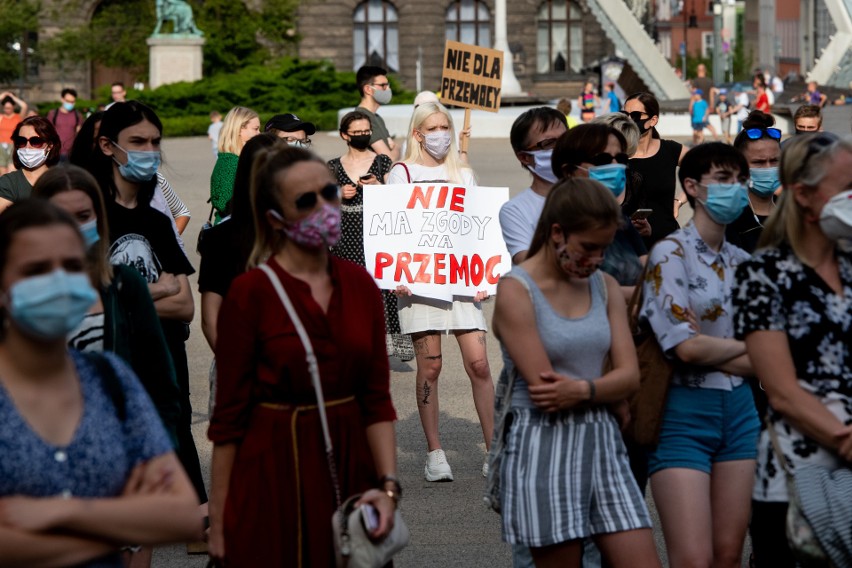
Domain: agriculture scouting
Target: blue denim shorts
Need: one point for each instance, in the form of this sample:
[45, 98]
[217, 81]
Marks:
[705, 426]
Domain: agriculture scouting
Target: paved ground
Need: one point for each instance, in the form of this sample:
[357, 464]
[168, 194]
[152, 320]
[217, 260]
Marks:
[449, 523]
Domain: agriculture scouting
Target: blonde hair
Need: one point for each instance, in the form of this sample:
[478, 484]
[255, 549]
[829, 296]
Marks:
[235, 121]
[266, 195]
[802, 162]
[414, 153]
[625, 125]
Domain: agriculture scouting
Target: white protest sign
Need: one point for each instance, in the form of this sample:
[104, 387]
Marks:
[439, 239]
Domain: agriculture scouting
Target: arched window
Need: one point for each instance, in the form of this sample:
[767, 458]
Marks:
[376, 35]
[560, 37]
[469, 21]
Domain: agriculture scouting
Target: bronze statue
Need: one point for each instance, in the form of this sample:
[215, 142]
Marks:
[179, 13]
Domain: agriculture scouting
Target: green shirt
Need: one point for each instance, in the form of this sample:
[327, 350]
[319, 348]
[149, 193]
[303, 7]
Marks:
[14, 186]
[222, 182]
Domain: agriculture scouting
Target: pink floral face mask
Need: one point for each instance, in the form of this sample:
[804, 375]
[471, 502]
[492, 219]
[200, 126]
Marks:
[575, 264]
[320, 228]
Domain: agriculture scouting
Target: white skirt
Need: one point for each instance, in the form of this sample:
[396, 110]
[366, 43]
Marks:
[418, 314]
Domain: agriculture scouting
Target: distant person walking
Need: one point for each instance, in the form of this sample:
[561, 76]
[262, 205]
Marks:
[708, 92]
[375, 91]
[214, 130]
[66, 121]
[9, 119]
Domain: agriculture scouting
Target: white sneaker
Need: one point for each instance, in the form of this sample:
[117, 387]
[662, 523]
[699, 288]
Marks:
[437, 468]
[485, 469]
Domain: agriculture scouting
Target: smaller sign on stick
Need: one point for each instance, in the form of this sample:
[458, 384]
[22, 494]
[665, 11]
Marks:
[472, 77]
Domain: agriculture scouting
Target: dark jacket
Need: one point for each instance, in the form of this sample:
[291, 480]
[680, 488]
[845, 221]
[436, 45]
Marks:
[132, 331]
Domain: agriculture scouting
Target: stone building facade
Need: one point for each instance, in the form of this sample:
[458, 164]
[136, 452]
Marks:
[552, 41]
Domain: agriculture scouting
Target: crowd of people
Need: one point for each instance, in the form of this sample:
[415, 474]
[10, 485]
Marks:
[749, 302]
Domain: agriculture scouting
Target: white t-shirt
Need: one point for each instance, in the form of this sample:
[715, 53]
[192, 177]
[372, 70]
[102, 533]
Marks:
[426, 173]
[742, 99]
[518, 220]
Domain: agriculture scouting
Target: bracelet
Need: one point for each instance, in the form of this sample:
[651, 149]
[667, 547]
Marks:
[396, 492]
[592, 390]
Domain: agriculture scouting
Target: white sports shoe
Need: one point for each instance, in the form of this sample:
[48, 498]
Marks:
[485, 469]
[437, 468]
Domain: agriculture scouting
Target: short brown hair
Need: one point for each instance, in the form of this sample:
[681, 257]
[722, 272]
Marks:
[808, 111]
[576, 205]
[44, 129]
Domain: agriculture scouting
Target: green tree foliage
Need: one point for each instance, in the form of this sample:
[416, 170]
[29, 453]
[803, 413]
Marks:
[17, 19]
[230, 33]
[311, 89]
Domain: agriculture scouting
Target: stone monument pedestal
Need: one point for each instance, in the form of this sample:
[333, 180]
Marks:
[174, 58]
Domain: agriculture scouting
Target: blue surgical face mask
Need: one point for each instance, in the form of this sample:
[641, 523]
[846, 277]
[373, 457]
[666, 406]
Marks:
[141, 166]
[89, 229]
[542, 167]
[68, 106]
[50, 306]
[725, 201]
[613, 176]
[764, 181]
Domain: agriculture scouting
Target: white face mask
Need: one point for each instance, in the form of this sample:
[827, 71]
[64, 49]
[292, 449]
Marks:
[32, 158]
[835, 220]
[543, 168]
[437, 144]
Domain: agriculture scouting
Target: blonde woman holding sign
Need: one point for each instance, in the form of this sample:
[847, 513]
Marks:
[432, 156]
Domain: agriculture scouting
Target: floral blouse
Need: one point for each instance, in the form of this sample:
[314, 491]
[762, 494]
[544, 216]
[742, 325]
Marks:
[684, 273]
[776, 292]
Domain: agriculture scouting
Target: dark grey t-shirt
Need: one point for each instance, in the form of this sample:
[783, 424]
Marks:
[14, 186]
[377, 123]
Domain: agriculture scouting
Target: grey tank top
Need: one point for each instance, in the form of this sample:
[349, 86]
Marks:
[576, 347]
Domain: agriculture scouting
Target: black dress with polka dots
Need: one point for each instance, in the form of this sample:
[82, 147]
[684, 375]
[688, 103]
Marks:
[351, 243]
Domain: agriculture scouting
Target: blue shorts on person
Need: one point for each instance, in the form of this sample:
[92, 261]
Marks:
[699, 126]
[705, 426]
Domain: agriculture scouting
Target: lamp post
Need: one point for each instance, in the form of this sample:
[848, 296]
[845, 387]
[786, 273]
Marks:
[718, 72]
[511, 86]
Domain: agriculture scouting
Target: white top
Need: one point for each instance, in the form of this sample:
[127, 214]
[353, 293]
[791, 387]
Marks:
[416, 313]
[421, 173]
[518, 220]
[742, 99]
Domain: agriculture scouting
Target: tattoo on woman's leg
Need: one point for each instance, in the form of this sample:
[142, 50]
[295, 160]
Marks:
[427, 390]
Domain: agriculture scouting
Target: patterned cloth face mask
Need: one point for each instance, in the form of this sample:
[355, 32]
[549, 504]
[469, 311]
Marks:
[576, 264]
[320, 228]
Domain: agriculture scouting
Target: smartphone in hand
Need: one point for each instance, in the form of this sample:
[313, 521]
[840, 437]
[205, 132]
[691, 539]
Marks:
[366, 177]
[370, 517]
[641, 214]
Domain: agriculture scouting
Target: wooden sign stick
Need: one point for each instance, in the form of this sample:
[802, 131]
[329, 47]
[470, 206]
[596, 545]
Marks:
[465, 139]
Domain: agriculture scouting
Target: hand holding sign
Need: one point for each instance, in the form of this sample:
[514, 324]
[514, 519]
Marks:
[437, 240]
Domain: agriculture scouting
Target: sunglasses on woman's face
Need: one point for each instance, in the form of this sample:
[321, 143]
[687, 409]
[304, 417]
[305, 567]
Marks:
[36, 142]
[604, 159]
[308, 201]
[758, 133]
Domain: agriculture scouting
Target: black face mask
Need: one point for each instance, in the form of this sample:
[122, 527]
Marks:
[360, 142]
[636, 117]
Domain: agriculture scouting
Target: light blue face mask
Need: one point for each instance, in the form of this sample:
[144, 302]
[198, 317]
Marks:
[141, 166]
[89, 230]
[764, 181]
[68, 106]
[725, 201]
[613, 176]
[50, 306]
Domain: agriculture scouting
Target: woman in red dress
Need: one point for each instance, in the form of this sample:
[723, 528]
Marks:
[272, 496]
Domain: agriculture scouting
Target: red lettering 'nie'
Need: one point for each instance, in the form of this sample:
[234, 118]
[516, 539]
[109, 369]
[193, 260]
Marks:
[425, 199]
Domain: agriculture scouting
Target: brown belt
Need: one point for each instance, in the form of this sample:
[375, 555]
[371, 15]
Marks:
[296, 409]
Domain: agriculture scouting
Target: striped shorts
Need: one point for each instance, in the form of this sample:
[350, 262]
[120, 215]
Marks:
[566, 476]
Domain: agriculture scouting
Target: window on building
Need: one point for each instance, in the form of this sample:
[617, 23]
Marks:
[706, 44]
[560, 37]
[376, 35]
[469, 21]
